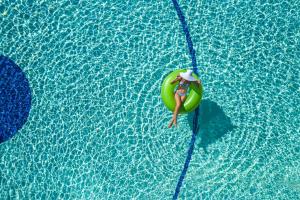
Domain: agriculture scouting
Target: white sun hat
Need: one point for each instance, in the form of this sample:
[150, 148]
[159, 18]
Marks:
[187, 75]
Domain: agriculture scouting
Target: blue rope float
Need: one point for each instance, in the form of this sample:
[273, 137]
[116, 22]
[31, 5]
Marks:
[195, 118]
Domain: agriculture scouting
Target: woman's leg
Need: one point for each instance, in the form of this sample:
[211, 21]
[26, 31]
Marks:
[177, 107]
[174, 118]
[182, 99]
[178, 103]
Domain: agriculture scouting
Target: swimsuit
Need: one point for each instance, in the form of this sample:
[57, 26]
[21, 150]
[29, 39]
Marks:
[184, 86]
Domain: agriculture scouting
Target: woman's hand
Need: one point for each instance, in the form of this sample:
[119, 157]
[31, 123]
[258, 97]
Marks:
[177, 79]
[199, 82]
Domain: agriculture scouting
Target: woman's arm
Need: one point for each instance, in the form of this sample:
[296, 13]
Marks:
[198, 82]
[176, 79]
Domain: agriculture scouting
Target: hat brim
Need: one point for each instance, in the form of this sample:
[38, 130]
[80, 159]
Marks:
[187, 77]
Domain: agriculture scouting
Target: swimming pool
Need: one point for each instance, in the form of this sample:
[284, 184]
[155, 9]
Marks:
[97, 128]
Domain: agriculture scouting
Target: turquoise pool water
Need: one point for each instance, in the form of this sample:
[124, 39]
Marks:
[97, 128]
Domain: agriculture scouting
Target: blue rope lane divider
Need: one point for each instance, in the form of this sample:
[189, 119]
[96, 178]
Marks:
[187, 36]
[195, 118]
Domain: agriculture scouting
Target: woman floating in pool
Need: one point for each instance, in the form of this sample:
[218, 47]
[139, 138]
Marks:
[185, 79]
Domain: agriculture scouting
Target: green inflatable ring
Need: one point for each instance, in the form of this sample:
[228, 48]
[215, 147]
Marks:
[167, 93]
